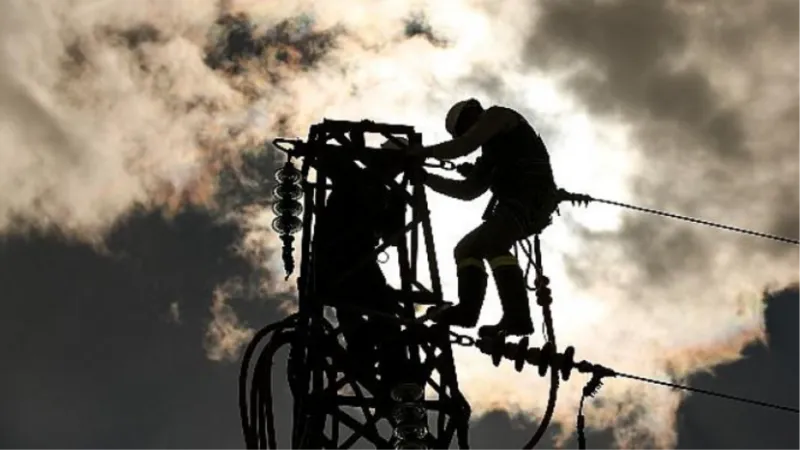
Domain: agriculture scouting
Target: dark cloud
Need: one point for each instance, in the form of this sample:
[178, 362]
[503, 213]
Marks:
[782, 16]
[767, 373]
[75, 55]
[93, 358]
[624, 60]
[418, 25]
[736, 32]
[500, 430]
[628, 48]
[291, 41]
[136, 36]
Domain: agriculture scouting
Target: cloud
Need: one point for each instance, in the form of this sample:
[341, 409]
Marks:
[110, 106]
[106, 106]
[97, 344]
[713, 139]
[225, 336]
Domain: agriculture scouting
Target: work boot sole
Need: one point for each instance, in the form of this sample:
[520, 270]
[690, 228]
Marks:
[455, 317]
[496, 330]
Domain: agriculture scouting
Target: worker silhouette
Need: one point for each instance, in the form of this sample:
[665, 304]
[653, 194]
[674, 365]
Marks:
[514, 164]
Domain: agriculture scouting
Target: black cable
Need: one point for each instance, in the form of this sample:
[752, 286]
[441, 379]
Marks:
[552, 396]
[581, 425]
[531, 263]
[247, 424]
[261, 389]
[589, 390]
[697, 221]
[707, 392]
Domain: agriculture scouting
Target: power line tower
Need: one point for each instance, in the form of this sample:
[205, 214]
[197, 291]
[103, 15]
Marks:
[360, 358]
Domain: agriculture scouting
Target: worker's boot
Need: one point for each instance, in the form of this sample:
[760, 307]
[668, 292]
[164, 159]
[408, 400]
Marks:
[516, 320]
[472, 281]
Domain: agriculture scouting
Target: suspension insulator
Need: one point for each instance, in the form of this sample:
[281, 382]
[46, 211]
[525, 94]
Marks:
[287, 224]
[492, 346]
[408, 413]
[567, 363]
[407, 392]
[521, 351]
[546, 358]
[543, 358]
[287, 209]
[544, 296]
[288, 190]
[288, 174]
[288, 254]
[410, 417]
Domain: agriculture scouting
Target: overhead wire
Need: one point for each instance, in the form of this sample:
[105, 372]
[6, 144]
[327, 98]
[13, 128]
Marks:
[709, 392]
[594, 383]
[701, 222]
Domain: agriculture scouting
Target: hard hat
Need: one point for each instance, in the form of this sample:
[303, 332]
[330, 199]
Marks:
[455, 113]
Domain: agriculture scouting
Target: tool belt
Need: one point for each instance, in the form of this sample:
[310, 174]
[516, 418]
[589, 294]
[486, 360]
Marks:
[534, 210]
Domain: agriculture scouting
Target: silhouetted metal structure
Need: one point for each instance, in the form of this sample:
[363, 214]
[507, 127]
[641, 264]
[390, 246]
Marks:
[359, 354]
[356, 348]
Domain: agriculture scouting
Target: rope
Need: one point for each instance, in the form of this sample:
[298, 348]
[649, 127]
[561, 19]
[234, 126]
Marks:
[697, 221]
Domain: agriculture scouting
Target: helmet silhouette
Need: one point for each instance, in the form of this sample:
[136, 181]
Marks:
[457, 113]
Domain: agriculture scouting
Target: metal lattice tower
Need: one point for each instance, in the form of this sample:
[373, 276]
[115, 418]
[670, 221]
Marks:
[359, 354]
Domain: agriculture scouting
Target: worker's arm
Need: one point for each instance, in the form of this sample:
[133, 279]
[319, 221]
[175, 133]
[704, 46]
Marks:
[493, 122]
[476, 183]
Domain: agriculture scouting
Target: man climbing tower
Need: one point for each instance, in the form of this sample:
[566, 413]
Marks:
[515, 166]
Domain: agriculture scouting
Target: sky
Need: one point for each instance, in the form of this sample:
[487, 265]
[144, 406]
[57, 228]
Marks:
[136, 256]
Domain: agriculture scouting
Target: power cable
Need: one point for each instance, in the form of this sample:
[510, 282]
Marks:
[707, 392]
[585, 199]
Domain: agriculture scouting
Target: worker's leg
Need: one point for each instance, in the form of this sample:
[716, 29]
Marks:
[472, 280]
[498, 235]
[513, 293]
